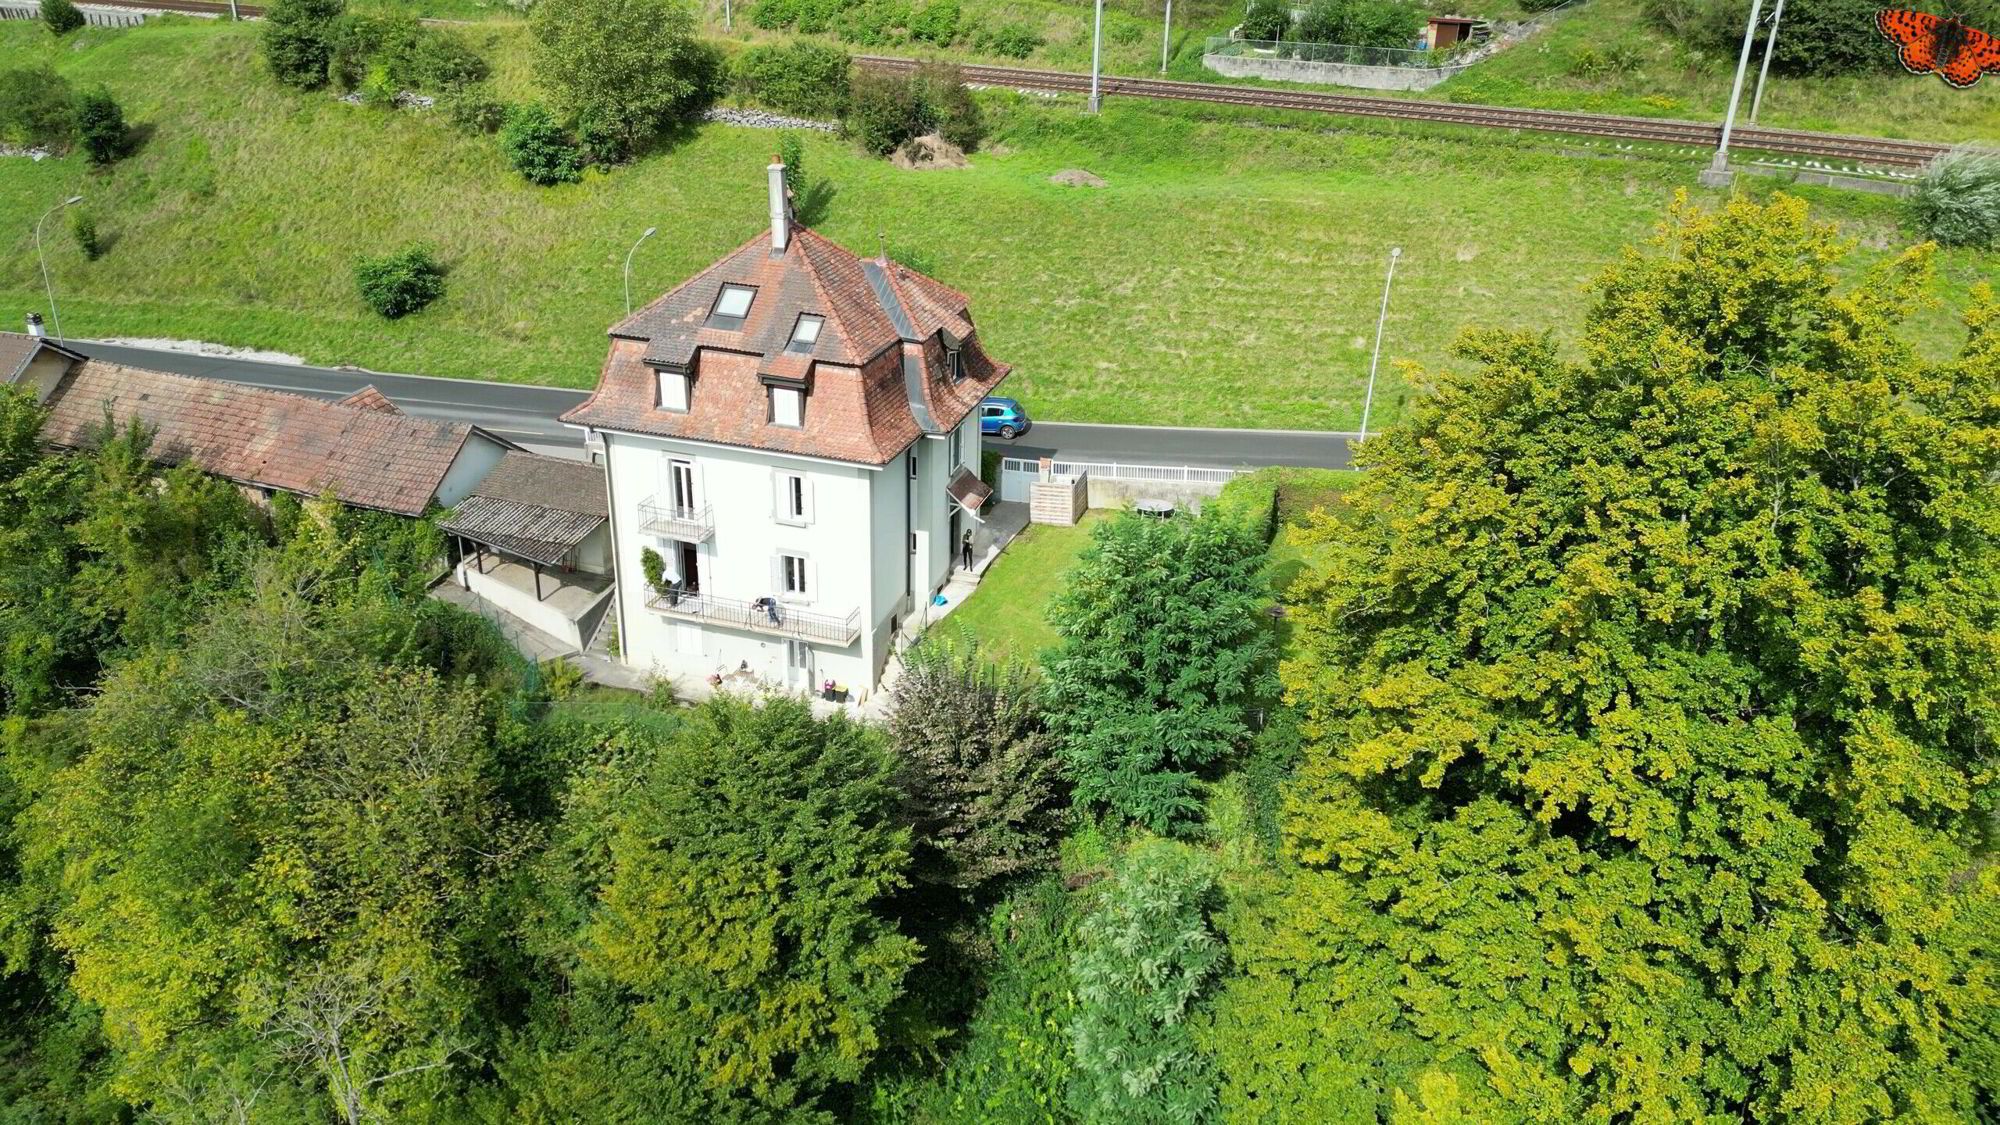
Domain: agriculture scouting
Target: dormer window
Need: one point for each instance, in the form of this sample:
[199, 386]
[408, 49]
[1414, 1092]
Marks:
[788, 407]
[805, 333]
[952, 370]
[673, 390]
[732, 305]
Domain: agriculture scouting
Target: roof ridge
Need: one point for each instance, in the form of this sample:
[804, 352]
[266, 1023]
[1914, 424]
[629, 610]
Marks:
[676, 290]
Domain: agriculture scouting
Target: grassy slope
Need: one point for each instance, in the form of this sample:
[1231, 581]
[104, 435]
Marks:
[1008, 613]
[1229, 275]
[1672, 82]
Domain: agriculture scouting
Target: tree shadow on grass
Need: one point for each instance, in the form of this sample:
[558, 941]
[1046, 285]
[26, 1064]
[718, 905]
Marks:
[811, 205]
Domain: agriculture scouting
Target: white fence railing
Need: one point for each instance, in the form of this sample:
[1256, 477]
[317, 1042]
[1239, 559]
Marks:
[1118, 470]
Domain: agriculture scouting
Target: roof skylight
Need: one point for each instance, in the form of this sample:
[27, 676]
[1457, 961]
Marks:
[733, 303]
[805, 333]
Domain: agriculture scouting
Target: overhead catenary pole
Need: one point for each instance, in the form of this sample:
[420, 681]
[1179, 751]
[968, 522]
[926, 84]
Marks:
[47, 288]
[1368, 402]
[628, 268]
[1167, 37]
[1718, 174]
[1770, 45]
[1096, 56]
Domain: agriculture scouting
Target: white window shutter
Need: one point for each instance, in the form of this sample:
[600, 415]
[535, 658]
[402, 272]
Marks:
[812, 579]
[777, 494]
[777, 575]
[806, 495]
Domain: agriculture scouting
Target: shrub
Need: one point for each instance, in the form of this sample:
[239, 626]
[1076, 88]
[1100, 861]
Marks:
[83, 229]
[1014, 40]
[628, 67]
[396, 51]
[1252, 498]
[1267, 19]
[36, 108]
[1825, 37]
[882, 111]
[62, 16]
[977, 771]
[654, 567]
[472, 108]
[100, 126]
[937, 24]
[1957, 201]
[792, 154]
[802, 77]
[946, 107]
[538, 148]
[298, 40]
[396, 285]
[875, 23]
[1147, 955]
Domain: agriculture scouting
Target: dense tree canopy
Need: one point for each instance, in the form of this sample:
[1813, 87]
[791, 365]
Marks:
[622, 70]
[1652, 698]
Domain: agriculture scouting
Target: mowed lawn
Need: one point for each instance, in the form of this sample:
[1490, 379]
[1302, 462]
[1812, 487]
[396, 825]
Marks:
[1229, 275]
[1007, 615]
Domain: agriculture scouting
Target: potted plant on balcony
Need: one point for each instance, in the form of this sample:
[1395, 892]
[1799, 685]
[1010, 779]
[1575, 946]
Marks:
[655, 568]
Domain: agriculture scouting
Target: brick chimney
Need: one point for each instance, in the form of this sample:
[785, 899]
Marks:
[781, 208]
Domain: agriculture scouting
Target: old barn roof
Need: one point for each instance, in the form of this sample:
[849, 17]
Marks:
[534, 507]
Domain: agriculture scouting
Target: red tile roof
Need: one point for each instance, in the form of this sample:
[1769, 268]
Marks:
[16, 349]
[875, 377]
[368, 398]
[259, 437]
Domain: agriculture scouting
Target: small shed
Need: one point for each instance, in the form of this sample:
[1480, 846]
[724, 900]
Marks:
[1449, 31]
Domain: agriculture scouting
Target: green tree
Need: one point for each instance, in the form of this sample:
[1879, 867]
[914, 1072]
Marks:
[1650, 699]
[100, 126]
[1162, 654]
[396, 285]
[539, 148]
[801, 77]
[61, 16]
[713, 908]
[627, 68]
[1145, 959]
[36, 108]
[977, 767]
[298, 40]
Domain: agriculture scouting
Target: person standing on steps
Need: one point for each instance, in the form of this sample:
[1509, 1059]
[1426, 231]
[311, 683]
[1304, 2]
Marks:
[965, 549]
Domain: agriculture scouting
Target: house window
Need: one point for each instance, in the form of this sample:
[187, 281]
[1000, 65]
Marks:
[805, 333]
[951, 367]
[912, 459]
[788, 407]
[673, 391]
[792, 575]
[793, 498]
[955, 435]
[731, 306]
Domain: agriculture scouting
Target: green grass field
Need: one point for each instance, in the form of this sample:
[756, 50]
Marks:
[1008, 613]
[1228, 276]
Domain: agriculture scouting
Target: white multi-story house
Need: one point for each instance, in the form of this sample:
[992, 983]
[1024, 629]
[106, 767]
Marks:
[794, 432]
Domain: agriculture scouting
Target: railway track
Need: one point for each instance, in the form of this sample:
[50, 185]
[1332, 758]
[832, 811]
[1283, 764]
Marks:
[1877, 153]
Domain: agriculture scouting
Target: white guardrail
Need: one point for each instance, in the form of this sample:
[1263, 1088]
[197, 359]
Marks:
[1118, 470]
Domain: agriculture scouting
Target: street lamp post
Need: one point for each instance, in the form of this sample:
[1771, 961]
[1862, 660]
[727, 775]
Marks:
[47, 288]
[1368, 403]
[1717, 174]
[1096, 54]
[628, 268]
[1770, 45]
[1167, 37]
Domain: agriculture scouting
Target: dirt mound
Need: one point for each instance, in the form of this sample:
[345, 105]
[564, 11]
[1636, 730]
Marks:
[929, 151]
[1076, 177]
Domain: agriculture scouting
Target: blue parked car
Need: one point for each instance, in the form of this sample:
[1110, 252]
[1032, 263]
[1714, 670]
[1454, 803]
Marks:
[1002, 416]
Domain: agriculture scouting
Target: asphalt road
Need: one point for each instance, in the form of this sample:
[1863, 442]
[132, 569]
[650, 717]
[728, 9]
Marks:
[527, 414]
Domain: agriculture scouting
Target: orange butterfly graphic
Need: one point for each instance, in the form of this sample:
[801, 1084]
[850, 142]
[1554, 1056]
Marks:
[1939, 45]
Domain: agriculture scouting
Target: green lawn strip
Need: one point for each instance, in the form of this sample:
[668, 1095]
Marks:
[1228, 276]
[1008, 613]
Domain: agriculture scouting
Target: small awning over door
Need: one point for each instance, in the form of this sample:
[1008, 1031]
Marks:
[968, 491]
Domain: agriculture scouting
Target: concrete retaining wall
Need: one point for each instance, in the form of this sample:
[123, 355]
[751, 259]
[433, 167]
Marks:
[1109, 493]
[1330, 73]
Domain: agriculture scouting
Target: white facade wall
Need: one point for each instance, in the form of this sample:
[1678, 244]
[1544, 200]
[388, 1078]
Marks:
[475, 459]
[739, 487]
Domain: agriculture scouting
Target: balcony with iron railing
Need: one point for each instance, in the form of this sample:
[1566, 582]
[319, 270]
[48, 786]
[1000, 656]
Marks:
[762, 615]
[676, 521]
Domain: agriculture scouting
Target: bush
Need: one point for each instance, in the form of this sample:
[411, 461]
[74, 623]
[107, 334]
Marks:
[83, 229]
[398, 53]
[937, 24]
[1826, 37]
[628, 67]
[1252, 498]
[62, 16]
[1014, 40]
[1147, 956]
[100, 126]
[802, 77]
[399, 284]
[1267, 19]
[472, 109]
[1957, 201]
[538, 148]
[875, 23]
[36, 108]
[298, 40]
[882, 111]
[946, 107]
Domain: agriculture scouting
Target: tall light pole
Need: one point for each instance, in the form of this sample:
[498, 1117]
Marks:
[628, 268]
[46, 287]
[1167, 37]
[1718, 174]
[1368, 403]
[1096, 54]
[1770, 45]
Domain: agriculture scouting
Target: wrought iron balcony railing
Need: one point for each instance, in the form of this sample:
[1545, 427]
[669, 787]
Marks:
[676, 521]
[763, 615]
